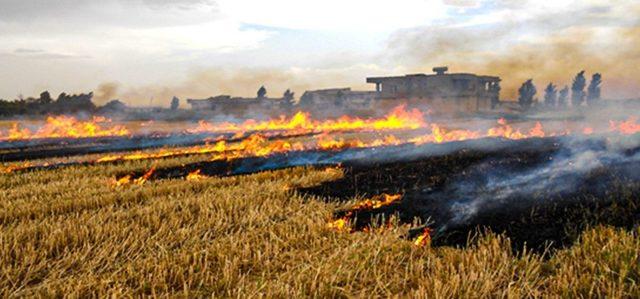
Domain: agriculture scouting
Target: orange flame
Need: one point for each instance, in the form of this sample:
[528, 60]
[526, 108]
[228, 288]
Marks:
[423, 239]
[195, 175]
[587, 131]
[67, 127]
[376, 202]
[143, 179]
[125, 180]
[398, 118]
[258, 145]
[628, 127]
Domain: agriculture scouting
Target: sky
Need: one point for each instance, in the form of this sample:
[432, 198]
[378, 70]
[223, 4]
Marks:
[146, 51]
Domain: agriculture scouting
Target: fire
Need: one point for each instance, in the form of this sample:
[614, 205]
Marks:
[440, 134]
[195, 175]
[339, 225]
[504, 130]
[143, 179]
[219, 146]
[256, 145]
[388, 140]
[326, 142]
[376, 202]
[125, 180]
[628, 127]
[259, 145]
[587, 131]
[398, 118]
[423, 239]
[67, 127]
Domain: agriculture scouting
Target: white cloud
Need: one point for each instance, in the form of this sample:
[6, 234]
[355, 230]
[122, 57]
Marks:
[353, 15]
[76, 44]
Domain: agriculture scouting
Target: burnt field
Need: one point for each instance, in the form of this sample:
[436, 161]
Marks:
[440, 191]
[302, 215]
[530, 189]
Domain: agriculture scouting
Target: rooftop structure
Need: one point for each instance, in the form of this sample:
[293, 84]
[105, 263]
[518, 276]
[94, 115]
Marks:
[468, 91]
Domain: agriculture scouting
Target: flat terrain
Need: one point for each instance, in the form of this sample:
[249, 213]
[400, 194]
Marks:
[72, 232]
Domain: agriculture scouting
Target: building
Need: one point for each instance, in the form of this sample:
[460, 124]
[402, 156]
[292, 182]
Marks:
[225, 104]
[337, 97]
[441, 92]
[459, 92]
[336, 102]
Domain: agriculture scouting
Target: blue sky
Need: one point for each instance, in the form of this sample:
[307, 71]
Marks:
[138, 49]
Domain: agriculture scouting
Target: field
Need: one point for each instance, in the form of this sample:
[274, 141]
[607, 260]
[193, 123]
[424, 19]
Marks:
[71, 231]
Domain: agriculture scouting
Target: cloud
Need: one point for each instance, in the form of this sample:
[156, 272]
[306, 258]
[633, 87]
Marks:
[71, 45]
[25, 53]
[354, 15]
[462, 3]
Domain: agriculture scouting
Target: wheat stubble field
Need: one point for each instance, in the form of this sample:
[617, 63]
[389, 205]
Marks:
[71, 232]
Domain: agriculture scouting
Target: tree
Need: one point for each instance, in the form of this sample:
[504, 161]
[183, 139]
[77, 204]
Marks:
[577, 89]
[45, 97]
[550, 95]
[526, 93]
[562, 98]
[594, 89]
[175, 103]
[288, 97]
[262, 92]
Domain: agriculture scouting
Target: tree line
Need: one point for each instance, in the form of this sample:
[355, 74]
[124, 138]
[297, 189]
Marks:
[561, 98]
[45, 104]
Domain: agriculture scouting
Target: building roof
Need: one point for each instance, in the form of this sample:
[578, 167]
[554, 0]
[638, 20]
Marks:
[459, 75]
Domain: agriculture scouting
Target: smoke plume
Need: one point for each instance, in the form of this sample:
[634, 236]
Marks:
[243, 82]
[555, 51]
[105, 92]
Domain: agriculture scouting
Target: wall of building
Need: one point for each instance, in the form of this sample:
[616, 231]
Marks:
[444, 92]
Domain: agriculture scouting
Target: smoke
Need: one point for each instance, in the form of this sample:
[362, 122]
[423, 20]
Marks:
[242, 82]
[565, 173]
[105, 92]
[552, 48]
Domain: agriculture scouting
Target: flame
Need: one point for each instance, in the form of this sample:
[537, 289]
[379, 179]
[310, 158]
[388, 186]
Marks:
[195, 175]
[503, 130]
[627, 127]
[376, 202]
[423, 239]
[398, 118]
[388, 140]
[537, 131]
[143, 179]
[339, 225]
[67, 127]
[125, 180]
[259, 145]
[587, 131]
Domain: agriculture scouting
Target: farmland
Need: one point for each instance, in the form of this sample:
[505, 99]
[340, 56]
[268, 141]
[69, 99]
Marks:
[71, 231]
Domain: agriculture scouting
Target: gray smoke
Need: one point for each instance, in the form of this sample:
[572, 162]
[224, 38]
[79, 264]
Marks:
[564, 173]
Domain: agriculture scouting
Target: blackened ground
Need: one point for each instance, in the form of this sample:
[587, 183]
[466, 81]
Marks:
[539, 220]
[430, 176]
[64, 147]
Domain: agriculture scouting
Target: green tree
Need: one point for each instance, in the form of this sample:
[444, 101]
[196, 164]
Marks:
[550, 95]
[577, 89]
[526, 93]
[175, 103]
